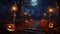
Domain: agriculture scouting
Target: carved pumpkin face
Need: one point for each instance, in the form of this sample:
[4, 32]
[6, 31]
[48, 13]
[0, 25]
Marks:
[50, 25]
[10, 27]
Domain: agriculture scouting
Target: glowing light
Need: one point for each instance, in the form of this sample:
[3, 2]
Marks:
[51, 10]
[25, 13]
[44, 14]
[33, 2]
[26, 21]
[10, 27]
[14, 8]
[50, 25]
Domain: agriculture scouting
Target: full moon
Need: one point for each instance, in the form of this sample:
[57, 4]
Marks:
[33, 2]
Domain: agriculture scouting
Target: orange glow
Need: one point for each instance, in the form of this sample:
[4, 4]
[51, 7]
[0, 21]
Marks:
[43, 23]
[50, 25]
[50, 10]
[26, 21]
[14, 8]
[31, 20]
[10, 27]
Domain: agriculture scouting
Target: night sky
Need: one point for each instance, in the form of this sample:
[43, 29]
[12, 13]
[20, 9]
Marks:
[36, 9]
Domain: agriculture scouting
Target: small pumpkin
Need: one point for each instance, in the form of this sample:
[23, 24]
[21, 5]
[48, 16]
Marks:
[10, 27]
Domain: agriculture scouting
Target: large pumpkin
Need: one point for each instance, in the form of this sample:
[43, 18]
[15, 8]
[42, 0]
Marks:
[43, 23]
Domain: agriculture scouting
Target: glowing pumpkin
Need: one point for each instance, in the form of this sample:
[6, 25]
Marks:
[50, 25]
[10, 27]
